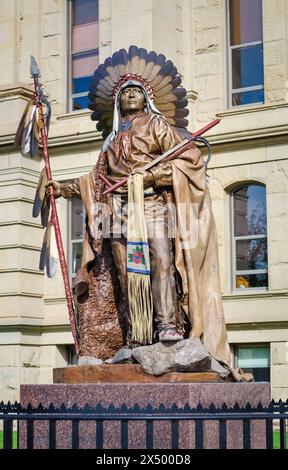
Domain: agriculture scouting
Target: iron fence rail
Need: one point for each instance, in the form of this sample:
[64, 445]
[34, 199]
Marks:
[276, 412]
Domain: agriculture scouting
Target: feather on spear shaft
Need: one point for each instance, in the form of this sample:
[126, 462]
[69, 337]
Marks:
[33, 125]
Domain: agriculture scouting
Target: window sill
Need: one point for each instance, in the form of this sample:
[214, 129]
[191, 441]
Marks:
[74, 114]
[253, 108]
[253, 293]
[264, 121]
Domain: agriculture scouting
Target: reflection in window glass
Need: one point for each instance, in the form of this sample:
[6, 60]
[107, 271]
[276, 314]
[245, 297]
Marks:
[76, 257]
[83, 65]
[84, 37]
[251, 254]
[250, 210]
[255, 360]
[84, 11]
[80, 103]
[72, 358]
[81, 85]
[248, 97]
[77, 227]
[249, 239]
[246, 63]
[251, 281]
[77, 219]
[245, 21]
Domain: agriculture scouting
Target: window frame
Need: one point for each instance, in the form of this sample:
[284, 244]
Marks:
[230, 48]
[234, 239]
[71, 95]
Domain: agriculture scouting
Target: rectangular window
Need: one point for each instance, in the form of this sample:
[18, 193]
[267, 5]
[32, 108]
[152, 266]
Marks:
[254, 359]
[77, 226]
[245, 52]
[83, 49]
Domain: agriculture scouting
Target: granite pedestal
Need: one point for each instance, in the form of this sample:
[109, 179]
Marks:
[143, 393]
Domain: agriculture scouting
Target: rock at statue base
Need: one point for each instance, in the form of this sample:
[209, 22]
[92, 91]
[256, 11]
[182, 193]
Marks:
[89, 361]
[188, 355]
[123, 356]
[100, 310]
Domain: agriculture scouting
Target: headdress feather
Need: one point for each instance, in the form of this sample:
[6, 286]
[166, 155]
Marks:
[156, 74]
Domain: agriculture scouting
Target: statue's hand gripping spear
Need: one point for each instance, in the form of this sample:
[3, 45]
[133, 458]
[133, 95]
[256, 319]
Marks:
[35, 123]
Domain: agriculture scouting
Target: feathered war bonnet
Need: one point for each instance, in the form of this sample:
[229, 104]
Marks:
[157, 77]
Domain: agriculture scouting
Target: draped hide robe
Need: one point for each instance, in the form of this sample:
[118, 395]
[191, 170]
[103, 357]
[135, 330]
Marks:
[100, 317]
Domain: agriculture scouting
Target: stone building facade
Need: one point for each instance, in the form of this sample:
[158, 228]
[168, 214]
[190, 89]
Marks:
[250, 146]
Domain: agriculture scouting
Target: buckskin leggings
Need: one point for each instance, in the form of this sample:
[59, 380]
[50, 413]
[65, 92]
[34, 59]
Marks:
[162, 281]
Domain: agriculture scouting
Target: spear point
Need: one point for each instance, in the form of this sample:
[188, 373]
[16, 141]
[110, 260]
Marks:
[34, 69]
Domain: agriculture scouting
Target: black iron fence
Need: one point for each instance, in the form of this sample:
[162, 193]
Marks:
[24, 419]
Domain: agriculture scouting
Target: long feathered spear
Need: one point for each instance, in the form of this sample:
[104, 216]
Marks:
[35, 123]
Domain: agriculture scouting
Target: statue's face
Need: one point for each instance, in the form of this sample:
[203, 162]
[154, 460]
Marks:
[132, 100]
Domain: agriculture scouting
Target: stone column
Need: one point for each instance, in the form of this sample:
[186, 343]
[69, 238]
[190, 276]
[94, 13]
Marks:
[209, 57]
[21, 282]
[275, 18]
[279, 370]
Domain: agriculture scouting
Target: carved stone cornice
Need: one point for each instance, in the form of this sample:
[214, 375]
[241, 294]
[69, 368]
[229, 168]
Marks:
[20, 90]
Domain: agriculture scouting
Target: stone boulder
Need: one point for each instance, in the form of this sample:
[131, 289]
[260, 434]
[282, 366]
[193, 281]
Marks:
[188, 355]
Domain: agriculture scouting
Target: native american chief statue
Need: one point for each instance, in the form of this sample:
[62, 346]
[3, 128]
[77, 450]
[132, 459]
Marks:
[137, 283]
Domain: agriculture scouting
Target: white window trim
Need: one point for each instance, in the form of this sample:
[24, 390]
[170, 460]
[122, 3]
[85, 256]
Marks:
[231, 90]
[234, 271]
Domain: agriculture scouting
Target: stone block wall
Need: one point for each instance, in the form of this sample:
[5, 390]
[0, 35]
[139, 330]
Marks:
[275, 50]
[248, 145]
[28, 364]
[209, 57]
[279, 367]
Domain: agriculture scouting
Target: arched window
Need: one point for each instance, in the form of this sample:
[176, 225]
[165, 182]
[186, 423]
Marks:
[249, 237]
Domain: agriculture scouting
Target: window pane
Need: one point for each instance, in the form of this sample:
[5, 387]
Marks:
[80, 85]
[84, 65]
[77, 222]
[246, 281]
[247, 66]
[250, 210]
[85, 37]
[84, 11]
[253, 357]
[248, 97]
[76, 257]
[260, 375]
[72, 356]
[80, 103]
[251, 254]
[245, 21]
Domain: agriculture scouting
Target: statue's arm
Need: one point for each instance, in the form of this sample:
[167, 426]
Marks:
[166, 139]
[162, 175]
[67, 190]
[70, 189]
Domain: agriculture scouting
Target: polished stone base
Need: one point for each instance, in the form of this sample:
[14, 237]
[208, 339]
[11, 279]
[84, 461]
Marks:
[144, 394]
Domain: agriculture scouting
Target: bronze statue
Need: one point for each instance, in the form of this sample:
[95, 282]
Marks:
[165, 287]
